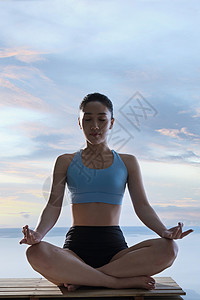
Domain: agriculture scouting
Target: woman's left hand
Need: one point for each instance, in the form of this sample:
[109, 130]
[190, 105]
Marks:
[176, 232]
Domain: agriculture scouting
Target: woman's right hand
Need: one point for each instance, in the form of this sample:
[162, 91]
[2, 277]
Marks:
[31, 237]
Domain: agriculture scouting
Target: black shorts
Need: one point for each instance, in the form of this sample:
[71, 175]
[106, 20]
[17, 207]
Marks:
[95, 245]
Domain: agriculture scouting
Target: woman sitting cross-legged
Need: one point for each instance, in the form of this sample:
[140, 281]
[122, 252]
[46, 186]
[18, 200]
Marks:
[95, 252]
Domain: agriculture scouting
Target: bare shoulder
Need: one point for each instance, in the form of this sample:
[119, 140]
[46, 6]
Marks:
[130, 161]
[63, 161]
[128, 158]
[66, 156]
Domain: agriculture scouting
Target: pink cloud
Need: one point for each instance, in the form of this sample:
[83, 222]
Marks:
[22, 73]
[15, 95]
[169, 132]
[22, 54]
[175, 133]
[19, 97]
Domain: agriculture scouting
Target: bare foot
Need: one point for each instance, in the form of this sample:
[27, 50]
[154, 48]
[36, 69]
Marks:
[143, 282]
[71, 287]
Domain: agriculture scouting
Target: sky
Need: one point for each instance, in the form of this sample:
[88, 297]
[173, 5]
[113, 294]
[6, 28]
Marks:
[144, 55]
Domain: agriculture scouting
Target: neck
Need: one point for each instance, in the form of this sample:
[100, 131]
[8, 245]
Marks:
[100, 148]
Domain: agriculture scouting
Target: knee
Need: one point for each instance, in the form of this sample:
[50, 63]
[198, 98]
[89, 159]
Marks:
[36, 255]
[168, 252]
[171, 248]
[32, 253]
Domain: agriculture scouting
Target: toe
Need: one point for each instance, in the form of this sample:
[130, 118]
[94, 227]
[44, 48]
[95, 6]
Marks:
[151, 285]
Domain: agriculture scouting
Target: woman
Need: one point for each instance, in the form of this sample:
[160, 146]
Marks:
[95, 252]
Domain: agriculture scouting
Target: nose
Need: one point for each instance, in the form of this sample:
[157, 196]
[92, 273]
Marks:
[94, 125]
[94, 128]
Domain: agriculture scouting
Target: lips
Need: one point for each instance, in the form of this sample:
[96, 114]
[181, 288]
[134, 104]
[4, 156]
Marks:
[95, 134]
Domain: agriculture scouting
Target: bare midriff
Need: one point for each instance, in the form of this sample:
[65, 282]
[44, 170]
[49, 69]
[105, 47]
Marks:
[95, 214]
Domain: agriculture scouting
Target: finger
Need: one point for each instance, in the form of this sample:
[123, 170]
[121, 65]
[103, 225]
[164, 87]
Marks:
[28, 232]
[31, 237]
[23, 241]
[175, 232]
[25, 233]
[24, 229]
[180, 224]
[179, 233]
[186, 233]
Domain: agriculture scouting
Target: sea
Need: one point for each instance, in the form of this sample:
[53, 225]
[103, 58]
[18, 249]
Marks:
[185, 270]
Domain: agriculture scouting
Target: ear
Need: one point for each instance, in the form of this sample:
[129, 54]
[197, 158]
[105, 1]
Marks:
[112, 122]
[79, 123]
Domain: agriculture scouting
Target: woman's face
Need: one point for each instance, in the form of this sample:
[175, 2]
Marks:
[95, 120]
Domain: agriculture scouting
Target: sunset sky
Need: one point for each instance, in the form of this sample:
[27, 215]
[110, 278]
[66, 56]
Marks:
[144, 55]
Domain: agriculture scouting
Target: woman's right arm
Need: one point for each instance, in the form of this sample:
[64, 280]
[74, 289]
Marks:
[51, 211]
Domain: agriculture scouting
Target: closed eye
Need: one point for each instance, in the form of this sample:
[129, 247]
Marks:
[90, 120]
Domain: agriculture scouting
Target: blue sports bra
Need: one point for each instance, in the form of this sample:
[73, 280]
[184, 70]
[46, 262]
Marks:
[96, 185]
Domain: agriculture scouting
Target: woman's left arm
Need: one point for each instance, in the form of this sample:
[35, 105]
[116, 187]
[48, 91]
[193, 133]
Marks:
[142, 207]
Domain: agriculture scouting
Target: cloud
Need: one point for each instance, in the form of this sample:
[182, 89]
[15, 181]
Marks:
[25, 215]
[29, 87]
[178, 133]
[184, 156]
[55, 130]
[23, 73]
[52, 55]
[98, 28]
[13, 212]
[197, 115]
[25, 172]
[22, 54]
[24, 85]
[169, 132]
[171, 214]
[16, 96]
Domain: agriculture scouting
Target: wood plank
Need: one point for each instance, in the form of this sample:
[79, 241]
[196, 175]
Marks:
[95, 290]
[174, 297]
[42, 288]
[88, 294]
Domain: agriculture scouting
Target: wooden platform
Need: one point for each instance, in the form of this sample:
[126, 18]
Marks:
[36, 288]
